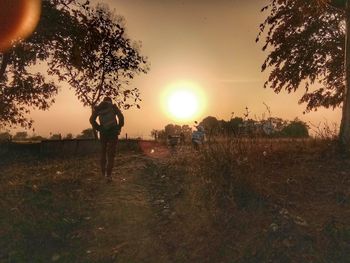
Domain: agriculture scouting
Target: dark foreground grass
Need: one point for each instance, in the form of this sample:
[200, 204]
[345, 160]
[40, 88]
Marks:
[239, 200]
[265, 201]
[43, 204]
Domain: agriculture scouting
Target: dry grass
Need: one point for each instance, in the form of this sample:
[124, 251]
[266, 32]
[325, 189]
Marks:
[237, 200]
[43, 203]
[257, 200]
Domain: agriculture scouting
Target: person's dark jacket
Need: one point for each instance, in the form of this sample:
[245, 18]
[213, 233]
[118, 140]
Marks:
[108, 123]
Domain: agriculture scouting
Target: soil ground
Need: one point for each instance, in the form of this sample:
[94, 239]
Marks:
[158, 209]
[130, 215]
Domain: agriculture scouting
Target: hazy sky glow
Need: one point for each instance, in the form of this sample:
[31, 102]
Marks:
[208, 43]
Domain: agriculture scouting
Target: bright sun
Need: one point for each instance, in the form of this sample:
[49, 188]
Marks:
[183, 101]
[183, 104]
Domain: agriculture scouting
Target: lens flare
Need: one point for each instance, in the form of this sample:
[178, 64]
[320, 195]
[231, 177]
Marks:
[18, 19]
[154, 149]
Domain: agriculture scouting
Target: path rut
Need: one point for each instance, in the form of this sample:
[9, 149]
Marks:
[130, 215]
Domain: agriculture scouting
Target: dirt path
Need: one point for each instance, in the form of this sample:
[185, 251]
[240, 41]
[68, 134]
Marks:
[130, 215]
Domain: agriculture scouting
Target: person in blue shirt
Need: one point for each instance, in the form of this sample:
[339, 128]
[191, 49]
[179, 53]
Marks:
[198, 137]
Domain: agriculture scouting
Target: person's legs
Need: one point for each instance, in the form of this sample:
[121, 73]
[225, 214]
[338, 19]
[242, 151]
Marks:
[195, 145]
[111, 149]
[103, 156]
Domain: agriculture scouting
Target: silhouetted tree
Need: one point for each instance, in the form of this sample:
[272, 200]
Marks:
[20, 85]
[161, 135]
[169, 129]
[69, 136]
[5, 136]
[172, 129]
[106, 59]
[56, 136]
[211, 126]
[295, 129]
[306, 45]
[306, 41]
[86, 134]
[231, 127]
[19, 136]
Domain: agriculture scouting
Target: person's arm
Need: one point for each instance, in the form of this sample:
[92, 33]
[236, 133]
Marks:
[119, 115]
[93, 122]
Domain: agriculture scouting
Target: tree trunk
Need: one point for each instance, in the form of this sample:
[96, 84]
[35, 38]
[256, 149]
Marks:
[344, 133]
[4, 62]
[93, 129]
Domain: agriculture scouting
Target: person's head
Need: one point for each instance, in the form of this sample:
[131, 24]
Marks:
[200, 128]
[107, 99]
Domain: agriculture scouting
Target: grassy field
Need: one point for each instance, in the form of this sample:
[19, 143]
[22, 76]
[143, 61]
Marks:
[43, 203]
[272, 201]
[233, 201]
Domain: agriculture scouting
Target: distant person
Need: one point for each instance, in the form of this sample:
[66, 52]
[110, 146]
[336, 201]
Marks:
[109, 129]
[172, 141]
[198, 137]
[182, 138]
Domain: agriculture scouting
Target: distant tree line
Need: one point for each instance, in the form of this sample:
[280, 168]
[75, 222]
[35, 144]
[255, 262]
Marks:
[24, 136]
[172, 130]
[238, 126]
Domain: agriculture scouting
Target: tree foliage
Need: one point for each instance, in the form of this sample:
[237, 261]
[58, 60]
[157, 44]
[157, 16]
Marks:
[23, 135]
[86, 134]
[69, 136]
[305, 41]
[22, 87]
[173, 130]
[5, 136]
[211, 125]
[104, 58]
[55, 136]
[295, 129]
[81, 44]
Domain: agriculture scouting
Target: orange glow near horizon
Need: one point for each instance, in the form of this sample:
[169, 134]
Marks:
[183, 101]
[18, 19]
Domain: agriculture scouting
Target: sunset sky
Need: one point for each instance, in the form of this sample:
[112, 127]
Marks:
[209, 45]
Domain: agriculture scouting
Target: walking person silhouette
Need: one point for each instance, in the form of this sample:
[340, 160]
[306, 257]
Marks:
[109, 128]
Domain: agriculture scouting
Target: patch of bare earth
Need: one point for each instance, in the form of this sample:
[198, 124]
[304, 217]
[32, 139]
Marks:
[128, 218]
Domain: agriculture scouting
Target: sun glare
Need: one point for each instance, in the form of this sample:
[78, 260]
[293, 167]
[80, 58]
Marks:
[183, 101]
